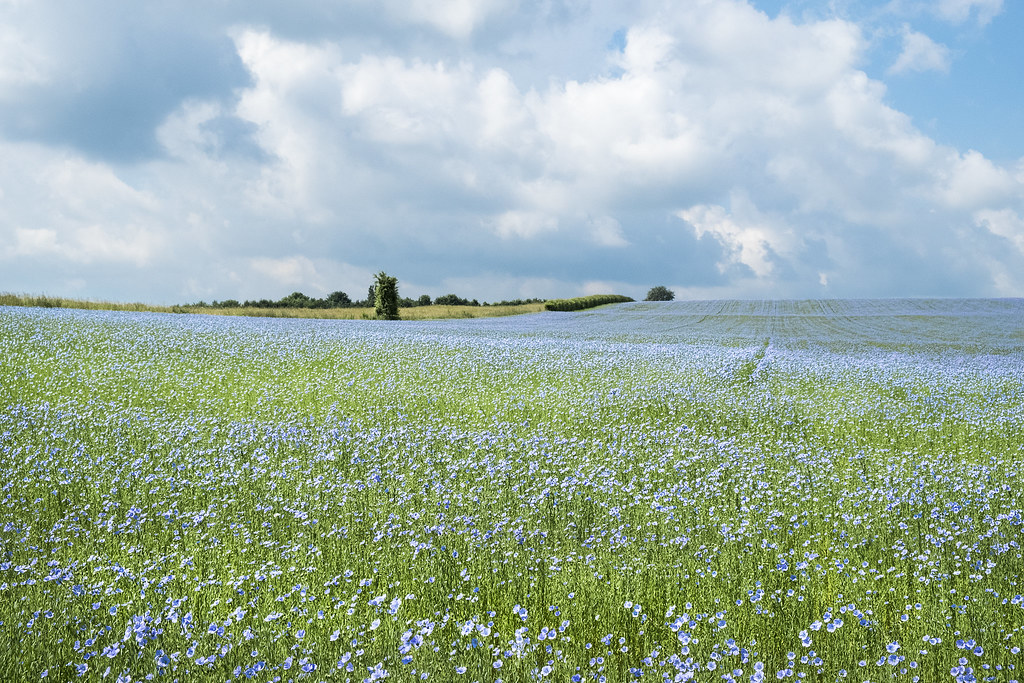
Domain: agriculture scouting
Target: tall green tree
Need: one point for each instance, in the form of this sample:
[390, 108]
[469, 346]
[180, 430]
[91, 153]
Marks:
[385, 296]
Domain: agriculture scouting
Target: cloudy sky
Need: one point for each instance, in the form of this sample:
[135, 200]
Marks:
[181, 150]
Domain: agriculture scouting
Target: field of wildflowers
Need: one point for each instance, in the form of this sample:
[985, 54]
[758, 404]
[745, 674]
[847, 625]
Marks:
[705, 491]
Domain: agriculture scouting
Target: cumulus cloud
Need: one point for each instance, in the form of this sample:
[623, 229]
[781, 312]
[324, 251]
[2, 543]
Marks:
[920, 53]
[607, 232]
[21, 63]
[715, 149]
[970, 181]
[457, 18]
[61, 212]
[523, 224]
[87, 244]
[1005, 223]
[100, 76]
[289, 271]
[751, 244]
[959, 11]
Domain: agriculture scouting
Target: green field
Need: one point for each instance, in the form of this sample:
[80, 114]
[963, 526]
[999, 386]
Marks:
[705, 491]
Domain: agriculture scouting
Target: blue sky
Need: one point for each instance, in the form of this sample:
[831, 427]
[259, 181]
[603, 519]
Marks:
[171, 152]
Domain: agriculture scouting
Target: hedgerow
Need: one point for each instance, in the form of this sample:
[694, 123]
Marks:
[581, 302]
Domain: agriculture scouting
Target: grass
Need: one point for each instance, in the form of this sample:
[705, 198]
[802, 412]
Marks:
[413, 313]
[687, 489]
[44, 301]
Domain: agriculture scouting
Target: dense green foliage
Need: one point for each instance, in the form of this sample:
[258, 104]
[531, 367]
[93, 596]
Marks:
[515, 302]
[294, 300]
[660, 293]
[584, 302]
[385, 296]
[454, 300]
[338, 300]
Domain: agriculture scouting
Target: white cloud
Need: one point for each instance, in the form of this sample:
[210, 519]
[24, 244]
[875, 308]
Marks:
[33, 242]
[59, 210]
[522, 224]
[970, 181]
[21, 63]
[713, 99]
[959, 11]
[457, 18]
[765, 135]
[592, 287]
[86, 189]
[290, 271]
[1005, 223]
[748, 243]
[607, 232]
[87, 244]
[920, 53]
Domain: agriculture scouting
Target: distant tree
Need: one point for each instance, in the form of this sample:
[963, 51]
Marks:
[424, 300]
[385, 296]
[338, 300]
[517, 302]
[296, 300]
[451, 300]
[371, 296]
[660, 293]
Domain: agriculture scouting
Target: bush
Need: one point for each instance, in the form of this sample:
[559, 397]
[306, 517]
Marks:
[385, 296]
[660, 293]
[582, 302]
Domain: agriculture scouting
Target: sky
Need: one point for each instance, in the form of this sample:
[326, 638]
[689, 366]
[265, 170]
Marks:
[184, 150]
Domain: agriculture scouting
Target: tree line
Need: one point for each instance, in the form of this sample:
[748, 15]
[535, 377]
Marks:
[340, 299]
[383, 296]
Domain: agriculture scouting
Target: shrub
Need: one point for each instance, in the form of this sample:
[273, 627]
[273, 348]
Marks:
[582, 302]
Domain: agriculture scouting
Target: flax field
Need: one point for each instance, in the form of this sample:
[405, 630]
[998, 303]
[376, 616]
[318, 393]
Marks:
[681, 491]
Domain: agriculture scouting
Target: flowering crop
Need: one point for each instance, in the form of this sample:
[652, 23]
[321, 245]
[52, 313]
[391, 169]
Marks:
[705, 491]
